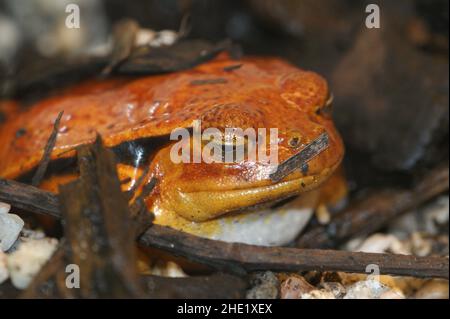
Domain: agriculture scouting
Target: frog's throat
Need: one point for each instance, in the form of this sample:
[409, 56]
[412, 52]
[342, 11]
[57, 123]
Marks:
[201, 206]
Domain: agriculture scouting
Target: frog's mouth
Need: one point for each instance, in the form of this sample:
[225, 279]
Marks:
[205, 205]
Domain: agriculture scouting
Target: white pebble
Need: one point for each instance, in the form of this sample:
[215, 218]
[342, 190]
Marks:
[4, 274]
[144, 37]
[164, 38]
[319, 294]
[381, 243]
[371, 289]
[294, 287]
[4, 208]
[28, 259]
[421, 246]
[169, 269]
[267, 227]
[436, 214]
[10, 227]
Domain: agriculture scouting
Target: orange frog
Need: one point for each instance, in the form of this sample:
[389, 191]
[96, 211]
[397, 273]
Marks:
[135, 116]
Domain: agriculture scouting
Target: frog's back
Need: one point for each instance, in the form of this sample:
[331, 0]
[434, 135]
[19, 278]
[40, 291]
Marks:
[125, 109]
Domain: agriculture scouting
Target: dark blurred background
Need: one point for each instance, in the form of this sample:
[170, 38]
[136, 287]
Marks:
[390, 84]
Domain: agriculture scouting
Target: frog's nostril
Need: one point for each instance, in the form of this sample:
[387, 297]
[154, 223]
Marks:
[295, 140]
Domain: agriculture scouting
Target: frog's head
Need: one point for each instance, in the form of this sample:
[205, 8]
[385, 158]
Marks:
[298, 106]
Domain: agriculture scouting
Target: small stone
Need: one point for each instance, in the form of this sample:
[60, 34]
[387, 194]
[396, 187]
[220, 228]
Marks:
[4, 208]
[436, 215]
[31, 234]
[4, 274]
[433, 289]
[28, 259]
[336, 288]
[10, 227]
[431, 219]
[164, 38]
[26, 235]
[294, 287]
[421, 246]
[370, 289]
[353, 244]
[144, 37]
[381, 243]
[319, 294]
[263, 286]
[323, 215]
[167, 269]
[406, 285]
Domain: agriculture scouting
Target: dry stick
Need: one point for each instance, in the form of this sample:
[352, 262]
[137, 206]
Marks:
[240, 258]
[29, 198]
[42, 168]
[301, 158]
[98, 228]
[375, 211]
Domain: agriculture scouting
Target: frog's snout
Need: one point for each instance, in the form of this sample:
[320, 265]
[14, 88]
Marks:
[300, 160]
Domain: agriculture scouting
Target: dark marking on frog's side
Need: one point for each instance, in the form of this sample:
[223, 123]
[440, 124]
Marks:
[209, 81]
[2, 117]
[20, 132]
[138, 153]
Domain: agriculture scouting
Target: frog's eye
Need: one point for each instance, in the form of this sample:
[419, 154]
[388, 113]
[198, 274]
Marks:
[295, 140]
[327, 107]
[231, 146]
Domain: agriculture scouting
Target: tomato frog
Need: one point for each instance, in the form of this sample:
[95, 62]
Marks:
[135, 116]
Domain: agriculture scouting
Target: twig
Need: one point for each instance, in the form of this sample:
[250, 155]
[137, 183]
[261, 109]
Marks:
[29, 198]
[42, 168]
[240, 258]
[301, 158]
[375, 211]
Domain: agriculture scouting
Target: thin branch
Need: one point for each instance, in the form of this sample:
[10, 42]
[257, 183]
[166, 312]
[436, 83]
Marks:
[42, 168]
[240, 258]
[301, 158]
[29, 198]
